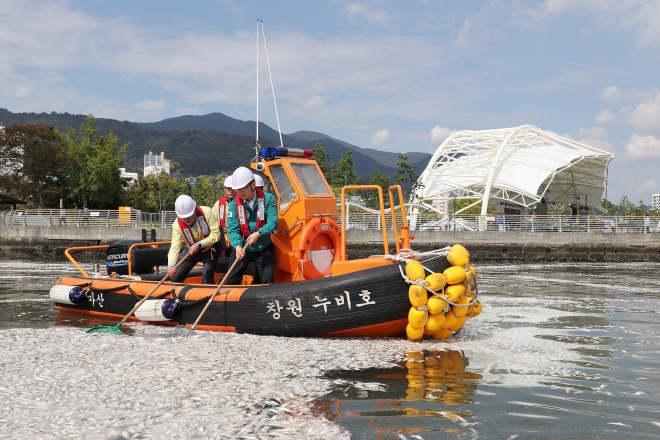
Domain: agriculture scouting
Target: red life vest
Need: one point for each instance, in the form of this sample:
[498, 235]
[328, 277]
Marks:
[202, 222]
[261, 213]
[222, 209]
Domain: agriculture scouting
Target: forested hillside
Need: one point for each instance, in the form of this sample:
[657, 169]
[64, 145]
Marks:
[210, 144]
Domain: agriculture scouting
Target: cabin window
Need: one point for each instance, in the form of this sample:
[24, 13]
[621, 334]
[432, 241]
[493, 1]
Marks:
[283, 185]
[310, 179]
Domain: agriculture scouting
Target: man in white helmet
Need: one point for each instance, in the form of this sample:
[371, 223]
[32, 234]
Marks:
[259, 181]
[220, 208]
[251, 218]
[197, 227]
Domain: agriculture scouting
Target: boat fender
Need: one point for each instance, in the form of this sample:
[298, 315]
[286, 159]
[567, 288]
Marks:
[157, 310]
[67, 294]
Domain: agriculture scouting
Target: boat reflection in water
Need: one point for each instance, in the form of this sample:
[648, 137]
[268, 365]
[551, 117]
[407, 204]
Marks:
[428, 387]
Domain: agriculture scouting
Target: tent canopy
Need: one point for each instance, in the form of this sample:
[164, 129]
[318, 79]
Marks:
[517, 167]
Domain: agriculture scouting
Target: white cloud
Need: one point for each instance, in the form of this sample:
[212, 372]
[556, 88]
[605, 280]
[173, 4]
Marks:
[611, 94]
[646, 116]
[315, 102]
[380, 137]
[373, 16]
[439, 134]
[643, 147]
[604, 117]
[151, 104]
[648, 186]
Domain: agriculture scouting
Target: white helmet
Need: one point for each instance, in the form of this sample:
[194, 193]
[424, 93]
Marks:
[258, 181]
[227, 182]
[241, 177]
[184, 206]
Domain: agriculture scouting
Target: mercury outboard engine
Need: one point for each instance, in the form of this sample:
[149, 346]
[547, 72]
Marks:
[117, 256]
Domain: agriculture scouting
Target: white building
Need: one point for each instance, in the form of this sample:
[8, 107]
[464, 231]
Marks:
[655, 201]
[155, 164]
[131, 177]
[515, 170]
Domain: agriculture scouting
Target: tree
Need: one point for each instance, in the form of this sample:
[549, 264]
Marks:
[406, 176]
[456, 205]
[371, 197]
[32, 155]
[609, 207]
[93, 171]
[626, 206]
[208, 189]
[343, 173]
[156, 192]
[322, 158]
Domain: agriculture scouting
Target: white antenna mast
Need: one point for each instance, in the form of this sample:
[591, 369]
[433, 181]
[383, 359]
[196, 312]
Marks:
[256, 141]
[271, 82]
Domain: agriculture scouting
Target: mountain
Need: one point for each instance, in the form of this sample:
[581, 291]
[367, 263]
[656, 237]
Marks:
[300, 139]
[386, 158]
[213, 143]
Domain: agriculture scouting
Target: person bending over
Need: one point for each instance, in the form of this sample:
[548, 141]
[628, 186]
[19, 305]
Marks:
[251, 218]
[197, 228]
[220, 208]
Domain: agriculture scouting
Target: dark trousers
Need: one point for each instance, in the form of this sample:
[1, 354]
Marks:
[263, 260]
[209, 260]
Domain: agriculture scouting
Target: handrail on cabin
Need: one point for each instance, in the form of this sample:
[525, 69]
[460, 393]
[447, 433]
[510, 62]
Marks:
[81, 248]
[344, 253]
[150, 244]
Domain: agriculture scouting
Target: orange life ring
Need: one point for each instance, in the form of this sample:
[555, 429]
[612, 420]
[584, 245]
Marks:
[318, 227]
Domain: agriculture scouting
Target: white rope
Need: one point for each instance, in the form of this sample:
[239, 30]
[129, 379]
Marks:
[424, 284]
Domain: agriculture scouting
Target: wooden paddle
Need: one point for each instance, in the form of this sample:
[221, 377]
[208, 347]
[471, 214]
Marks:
[115, 329]
[182, 330]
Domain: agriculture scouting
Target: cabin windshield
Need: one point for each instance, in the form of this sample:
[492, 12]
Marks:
[310, 179]
[283, 185]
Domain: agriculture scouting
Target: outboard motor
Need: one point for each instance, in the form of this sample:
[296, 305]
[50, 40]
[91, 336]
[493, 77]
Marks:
[117, 256]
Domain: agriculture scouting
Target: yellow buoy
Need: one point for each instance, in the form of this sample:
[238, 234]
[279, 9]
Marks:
[460, 322]
[436, 305]
[414, 270]
[415, 355]
[436, 281]
[474, 271]
[416, 318]
[454, 274]
[417, 295]
[428, 332]
[457, 257]
[444, 333]
[470, 281]
[462, 310]
[450, 319]
[455, 292]
[461, 248]
[414, 334]
[435, 321]
[475, 310]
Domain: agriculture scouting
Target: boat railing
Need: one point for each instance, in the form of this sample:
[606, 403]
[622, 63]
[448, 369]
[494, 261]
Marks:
[68, 253]
[151, 245]
[381, 213]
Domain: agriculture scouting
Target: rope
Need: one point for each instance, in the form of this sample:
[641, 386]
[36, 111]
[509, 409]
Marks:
[424, 284]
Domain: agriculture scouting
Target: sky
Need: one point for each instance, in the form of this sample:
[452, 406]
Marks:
[392, 75]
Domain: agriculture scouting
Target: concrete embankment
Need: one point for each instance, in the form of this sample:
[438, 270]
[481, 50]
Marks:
[48, 243]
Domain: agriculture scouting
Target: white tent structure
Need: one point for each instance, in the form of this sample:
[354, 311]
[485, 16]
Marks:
[515, 168]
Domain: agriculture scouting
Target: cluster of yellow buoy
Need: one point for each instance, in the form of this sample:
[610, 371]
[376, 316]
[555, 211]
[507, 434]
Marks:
[452, 299]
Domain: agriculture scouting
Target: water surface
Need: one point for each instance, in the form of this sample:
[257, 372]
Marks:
[560, 351]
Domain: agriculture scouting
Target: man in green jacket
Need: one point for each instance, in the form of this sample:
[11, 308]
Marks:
[251, 218]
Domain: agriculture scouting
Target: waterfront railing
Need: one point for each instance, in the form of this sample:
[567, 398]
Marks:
[357, 221]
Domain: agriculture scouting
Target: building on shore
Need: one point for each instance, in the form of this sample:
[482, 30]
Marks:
[156, 164]
[655, 201]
